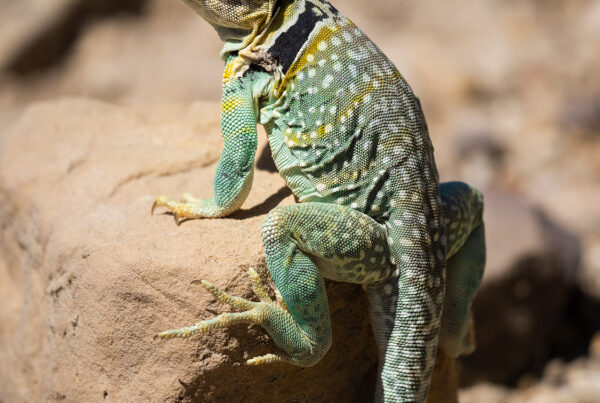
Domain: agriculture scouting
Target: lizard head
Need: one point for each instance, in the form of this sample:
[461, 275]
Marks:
[235, 20]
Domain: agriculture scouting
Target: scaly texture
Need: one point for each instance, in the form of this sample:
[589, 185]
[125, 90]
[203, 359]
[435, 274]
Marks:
[349, 137]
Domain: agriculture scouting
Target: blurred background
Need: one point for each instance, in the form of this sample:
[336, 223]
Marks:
[511, 92]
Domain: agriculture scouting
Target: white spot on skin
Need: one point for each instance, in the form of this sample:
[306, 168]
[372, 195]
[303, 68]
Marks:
[353, 70]
[327, 81]
[312, 72]
[322, 45]
[406, 242]
[310, 57]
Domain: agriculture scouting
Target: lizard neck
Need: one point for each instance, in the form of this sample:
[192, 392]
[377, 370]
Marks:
[237, 23]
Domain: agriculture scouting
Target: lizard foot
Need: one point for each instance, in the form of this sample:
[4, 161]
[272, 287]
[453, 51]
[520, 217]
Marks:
[189, 207]
[260, 313]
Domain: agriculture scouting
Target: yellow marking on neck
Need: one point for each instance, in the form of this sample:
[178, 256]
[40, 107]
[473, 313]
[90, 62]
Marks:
[234, 69]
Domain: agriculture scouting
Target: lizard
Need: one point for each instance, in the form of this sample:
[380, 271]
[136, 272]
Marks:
[349, 137]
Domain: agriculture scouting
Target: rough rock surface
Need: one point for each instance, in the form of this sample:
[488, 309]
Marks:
[88, 276]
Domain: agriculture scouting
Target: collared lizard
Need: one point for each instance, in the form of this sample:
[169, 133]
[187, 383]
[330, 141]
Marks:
[348, 136]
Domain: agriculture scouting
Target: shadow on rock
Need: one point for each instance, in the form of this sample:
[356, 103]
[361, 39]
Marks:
[263, 208]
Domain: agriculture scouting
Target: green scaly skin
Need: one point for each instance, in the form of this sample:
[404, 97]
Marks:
[348, 136]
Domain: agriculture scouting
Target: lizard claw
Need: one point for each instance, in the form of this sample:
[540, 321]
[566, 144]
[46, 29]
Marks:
[268, 313]
[188, 208]
[161, 201]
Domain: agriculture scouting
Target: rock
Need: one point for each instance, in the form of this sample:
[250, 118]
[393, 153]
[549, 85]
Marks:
[527, 288]
[480, 157]
[88, 276]
[581, 116]
[484, 392]
[576, 381]
[152, 57]
[35, 33]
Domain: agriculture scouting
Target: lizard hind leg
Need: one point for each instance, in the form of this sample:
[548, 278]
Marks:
[463, 208]
[305, 243]
[257, 313]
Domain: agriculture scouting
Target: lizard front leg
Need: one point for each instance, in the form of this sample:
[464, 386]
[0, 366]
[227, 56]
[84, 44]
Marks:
[235, 171]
